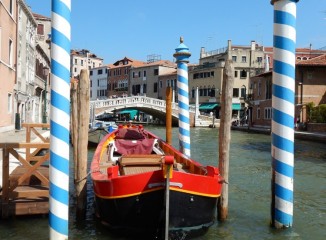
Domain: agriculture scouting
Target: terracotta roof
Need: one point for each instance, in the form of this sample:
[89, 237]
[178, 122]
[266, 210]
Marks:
[316, 61]
[39, 16]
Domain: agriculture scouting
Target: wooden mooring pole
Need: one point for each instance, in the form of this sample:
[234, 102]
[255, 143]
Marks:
[74, 122]
[82, 142]
[225, 137]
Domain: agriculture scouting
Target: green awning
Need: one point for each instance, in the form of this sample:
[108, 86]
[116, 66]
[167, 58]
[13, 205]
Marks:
[208, 106]
[129, 111]
[236, 106]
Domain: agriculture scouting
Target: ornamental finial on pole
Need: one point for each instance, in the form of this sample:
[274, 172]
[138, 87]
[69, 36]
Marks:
[182, 53]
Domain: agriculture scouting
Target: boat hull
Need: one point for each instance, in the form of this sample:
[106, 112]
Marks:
[144, 214]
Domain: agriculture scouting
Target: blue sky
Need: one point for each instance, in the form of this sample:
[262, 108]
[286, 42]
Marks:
[115, 29]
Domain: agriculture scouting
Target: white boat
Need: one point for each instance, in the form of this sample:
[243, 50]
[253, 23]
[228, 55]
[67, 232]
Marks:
[99, 130]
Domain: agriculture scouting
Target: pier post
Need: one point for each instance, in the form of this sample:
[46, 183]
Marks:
[168, 115]
[182, 55]
[59, 120]
[283, 112]
[82, 135]
[74, 124]
[225, 138]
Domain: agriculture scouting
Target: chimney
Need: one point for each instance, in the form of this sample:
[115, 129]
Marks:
[202, 52]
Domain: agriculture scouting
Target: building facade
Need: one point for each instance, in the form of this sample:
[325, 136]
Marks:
[310, 87]
[83, 59]
[8, 51]
[98, 83]
[119, 77]
[43, 32]
[27, 103]
[208, 75]
[144, 79]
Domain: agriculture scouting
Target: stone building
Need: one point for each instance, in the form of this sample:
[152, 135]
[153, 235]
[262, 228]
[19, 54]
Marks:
[26, 102]
[310, 86]
[83, 59]
[8, 52]
[144, 79]
[208, 75]
[98, 83]
[119, 76]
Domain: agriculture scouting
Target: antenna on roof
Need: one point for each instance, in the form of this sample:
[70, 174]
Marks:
[153, 58]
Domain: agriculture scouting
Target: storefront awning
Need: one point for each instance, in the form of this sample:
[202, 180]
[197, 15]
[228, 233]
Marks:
[129, 111]
[236, 106]
[208, 106]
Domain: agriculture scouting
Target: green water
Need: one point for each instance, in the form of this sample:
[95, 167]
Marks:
[249, 193]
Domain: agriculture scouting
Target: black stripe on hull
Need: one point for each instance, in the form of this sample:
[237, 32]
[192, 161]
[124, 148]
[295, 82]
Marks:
[145, 213]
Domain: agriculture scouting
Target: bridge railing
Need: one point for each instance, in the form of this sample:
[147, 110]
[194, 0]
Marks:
[133, 101]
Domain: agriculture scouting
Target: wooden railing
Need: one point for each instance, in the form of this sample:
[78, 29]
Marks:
[31, 164]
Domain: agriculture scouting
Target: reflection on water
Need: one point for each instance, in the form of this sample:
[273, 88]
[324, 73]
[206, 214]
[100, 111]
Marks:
[249, 192]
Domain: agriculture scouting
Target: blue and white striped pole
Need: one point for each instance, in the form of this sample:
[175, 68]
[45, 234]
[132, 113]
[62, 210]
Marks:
[283, 103]
[60, 119]
[182, 55]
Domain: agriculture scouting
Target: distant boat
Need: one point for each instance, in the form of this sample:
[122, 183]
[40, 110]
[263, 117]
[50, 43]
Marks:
[128, 172]
[99, 130]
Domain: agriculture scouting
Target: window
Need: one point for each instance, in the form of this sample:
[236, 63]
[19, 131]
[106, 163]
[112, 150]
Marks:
[82, 62]
[11, 7]
[75, 69]
[9, 102]
[144, 73]
[155, 87]
[268, 88]
[168, 83]
[156, 72]
[235, 74]
[139, 74]
[10, 52]
[144, 88]
[40, 29]
[234, 58]
[161, 84]
[99, 72]
[90, 83]
[268, 113]
[259, 88]
[258, 113]
[243, 59]
[243, 74]
[259, 59]
[235, 92]
[75, 60]
[90, 73]
[243, 92]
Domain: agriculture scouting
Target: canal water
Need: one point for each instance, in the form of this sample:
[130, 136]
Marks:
[249, 193]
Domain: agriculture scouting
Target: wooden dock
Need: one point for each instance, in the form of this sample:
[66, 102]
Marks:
[25, 191]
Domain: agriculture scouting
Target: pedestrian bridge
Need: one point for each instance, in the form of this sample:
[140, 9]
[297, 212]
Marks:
[151, 106]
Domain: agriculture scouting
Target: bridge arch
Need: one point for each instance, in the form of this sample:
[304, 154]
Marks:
[151, 106]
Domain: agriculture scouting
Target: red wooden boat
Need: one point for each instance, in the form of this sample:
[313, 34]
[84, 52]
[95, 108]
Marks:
[130, 170]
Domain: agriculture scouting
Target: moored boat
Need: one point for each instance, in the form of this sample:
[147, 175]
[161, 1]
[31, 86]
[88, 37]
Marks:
[99, 130]
[131, 171]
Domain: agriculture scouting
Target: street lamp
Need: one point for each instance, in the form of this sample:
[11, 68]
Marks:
[46, 74]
